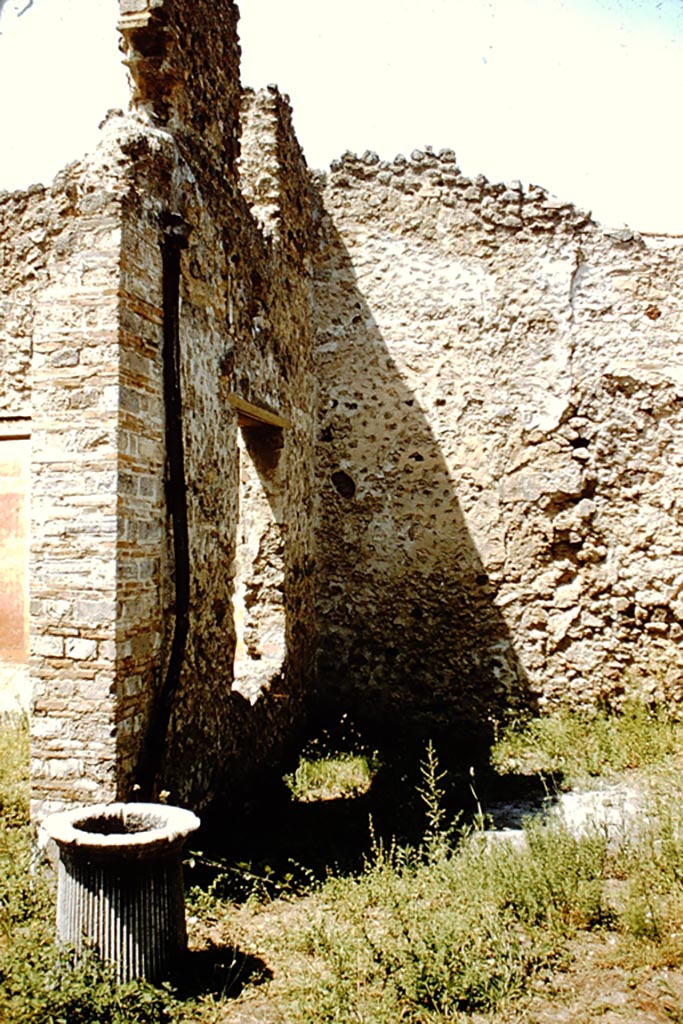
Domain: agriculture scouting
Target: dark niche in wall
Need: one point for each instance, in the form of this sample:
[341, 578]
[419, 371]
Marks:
[343, 484]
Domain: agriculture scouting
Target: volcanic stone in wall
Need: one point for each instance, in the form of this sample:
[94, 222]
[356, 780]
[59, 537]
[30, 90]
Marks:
[499, 421]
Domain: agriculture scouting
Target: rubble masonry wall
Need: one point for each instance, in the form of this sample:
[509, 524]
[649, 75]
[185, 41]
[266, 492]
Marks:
[499, 448]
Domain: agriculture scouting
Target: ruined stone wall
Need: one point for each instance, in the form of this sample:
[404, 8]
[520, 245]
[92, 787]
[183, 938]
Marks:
[23, 220]
[61, 313]
[244, 328]
[103, 568]
[487, 519]
[184, 63]
[500, 423]
[245, 331]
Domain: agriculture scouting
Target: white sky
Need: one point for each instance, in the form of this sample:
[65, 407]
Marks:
[580, 96]
[60, 71]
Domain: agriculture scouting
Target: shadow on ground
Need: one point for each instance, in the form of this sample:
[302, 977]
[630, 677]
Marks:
[219, 970]
[275, 845]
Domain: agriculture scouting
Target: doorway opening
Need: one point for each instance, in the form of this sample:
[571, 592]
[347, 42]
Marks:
[259, 584]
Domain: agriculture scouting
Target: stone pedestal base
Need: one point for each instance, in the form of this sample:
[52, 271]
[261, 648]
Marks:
[120, 884]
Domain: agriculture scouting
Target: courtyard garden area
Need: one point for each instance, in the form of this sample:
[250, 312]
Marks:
[517, 905]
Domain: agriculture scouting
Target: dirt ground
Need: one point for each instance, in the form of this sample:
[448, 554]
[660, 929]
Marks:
[601, 980]
[595, 988]
[597, 985]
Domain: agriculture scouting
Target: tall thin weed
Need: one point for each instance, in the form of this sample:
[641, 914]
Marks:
[458, 926]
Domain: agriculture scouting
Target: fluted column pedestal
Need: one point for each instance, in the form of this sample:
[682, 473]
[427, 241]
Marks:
[120, 884]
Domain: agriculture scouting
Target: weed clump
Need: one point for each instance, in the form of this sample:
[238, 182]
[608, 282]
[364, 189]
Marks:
[459, 924]
[40, 983]
[336, 775]
[570, 747]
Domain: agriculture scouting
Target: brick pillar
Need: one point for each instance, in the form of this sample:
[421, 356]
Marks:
[74, 485]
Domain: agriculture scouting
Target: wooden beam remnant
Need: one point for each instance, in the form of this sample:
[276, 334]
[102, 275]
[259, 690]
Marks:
[250, 415]
[15, 428]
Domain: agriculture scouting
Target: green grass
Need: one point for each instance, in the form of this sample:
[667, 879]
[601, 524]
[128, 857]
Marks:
[14, 781]
[25, 897]
[473, 927]
[462, 924]
[424, 936]
[40, 983]
[455, 925]
[571, 747]
[335, 775]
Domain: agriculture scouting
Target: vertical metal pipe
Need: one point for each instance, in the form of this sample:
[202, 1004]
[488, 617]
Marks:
[174, 240]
